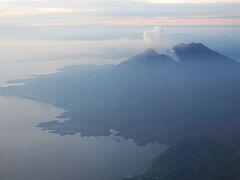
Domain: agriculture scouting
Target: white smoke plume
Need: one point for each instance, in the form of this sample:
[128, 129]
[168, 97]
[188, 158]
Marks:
[154, 36]
[157, 39]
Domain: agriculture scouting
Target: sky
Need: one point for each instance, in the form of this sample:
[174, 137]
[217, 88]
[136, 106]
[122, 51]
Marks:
[39, 36]
[118, 12]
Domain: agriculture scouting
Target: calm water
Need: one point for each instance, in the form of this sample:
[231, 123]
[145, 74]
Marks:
[27, 153]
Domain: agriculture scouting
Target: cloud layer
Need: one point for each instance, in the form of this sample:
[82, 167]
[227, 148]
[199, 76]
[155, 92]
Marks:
[119, 12]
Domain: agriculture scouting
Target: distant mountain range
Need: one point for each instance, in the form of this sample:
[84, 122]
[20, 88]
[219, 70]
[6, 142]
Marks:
[148, 98]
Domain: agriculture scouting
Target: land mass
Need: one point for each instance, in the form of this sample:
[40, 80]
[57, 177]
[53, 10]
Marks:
[148, 98]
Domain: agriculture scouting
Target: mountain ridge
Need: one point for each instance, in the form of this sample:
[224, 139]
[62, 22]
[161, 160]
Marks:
[148, 57]
[185, 52]
[199, 52]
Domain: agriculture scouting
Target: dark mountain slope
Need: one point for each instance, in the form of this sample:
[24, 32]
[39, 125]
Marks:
[198, 159]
